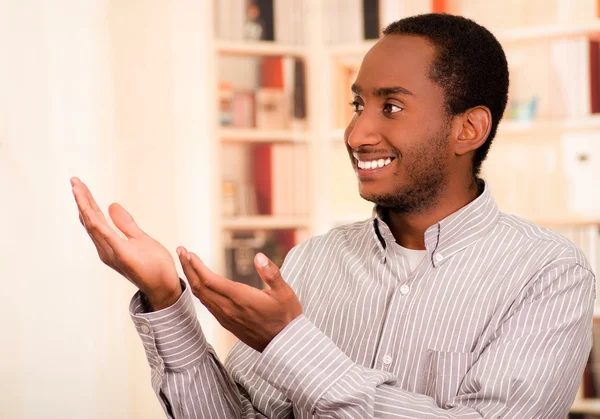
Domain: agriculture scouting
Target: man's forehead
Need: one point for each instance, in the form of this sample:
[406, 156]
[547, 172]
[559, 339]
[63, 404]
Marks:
[400, 49]
[396, 60]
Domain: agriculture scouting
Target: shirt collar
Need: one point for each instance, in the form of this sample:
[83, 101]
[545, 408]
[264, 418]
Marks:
[452, 234]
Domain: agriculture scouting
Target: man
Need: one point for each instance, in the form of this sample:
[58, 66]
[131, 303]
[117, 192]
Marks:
[438, 306]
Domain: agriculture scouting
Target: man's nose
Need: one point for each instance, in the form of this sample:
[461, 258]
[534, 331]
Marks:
[362, 131]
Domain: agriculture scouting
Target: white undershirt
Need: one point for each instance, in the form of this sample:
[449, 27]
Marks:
[414, 256]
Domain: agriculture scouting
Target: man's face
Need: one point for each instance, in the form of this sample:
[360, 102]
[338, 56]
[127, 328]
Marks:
[398, 138]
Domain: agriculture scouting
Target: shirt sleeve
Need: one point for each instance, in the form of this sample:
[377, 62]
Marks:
[186, 374]
[531, 369]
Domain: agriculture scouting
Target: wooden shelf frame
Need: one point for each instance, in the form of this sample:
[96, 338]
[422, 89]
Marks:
[254, 135]
[259, 48]
[266, 222]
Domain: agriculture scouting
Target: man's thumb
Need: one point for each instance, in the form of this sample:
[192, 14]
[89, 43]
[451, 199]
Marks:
[268, 271]
[124, 221]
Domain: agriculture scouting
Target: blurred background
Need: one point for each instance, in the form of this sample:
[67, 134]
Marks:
[218, 125]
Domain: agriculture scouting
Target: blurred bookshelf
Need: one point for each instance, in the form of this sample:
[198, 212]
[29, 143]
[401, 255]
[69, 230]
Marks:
[290, 172]
[258, 48]
[260, 222]
[258, 135]
[263, 129]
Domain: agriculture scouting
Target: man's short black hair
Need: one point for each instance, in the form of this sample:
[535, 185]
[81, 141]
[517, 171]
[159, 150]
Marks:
[470, 66]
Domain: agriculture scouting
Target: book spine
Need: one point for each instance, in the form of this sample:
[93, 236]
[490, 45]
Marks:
[267, 18]
[370, 9]
[262, 177]
[594, 48]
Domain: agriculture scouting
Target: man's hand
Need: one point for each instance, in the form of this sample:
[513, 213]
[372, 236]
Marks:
[139, 258]
[254, 316]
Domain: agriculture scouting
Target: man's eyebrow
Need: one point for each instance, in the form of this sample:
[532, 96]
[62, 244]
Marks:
[387, 91]
[384, 91]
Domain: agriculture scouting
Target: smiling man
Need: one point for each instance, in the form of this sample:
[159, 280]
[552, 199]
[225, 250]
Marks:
[438, 306]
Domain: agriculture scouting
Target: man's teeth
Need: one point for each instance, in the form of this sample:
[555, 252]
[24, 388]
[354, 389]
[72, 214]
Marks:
[374, 164]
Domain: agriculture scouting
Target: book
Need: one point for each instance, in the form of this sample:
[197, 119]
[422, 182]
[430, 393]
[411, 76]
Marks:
[267, 19]
[282, 179]
[238, 190]
[230, 19]
[272, 104]
[594, 59]
[242, 246]
[261, 177]
[581, 168]
[370, 17]
[243, 107]
[301, 180]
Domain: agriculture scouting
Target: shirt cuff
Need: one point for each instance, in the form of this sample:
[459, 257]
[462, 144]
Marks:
[172, 337]
[303, 363]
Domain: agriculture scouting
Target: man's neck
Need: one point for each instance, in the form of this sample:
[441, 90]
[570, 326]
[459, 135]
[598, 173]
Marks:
[409, 229]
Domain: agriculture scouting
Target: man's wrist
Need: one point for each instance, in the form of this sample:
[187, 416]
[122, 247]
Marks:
[160, 300]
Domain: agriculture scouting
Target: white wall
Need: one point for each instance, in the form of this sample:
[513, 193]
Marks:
[110, 91]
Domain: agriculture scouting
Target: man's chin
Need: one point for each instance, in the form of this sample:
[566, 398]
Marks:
[380, 199]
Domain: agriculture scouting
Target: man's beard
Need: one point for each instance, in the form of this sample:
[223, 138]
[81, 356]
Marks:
[426, 179]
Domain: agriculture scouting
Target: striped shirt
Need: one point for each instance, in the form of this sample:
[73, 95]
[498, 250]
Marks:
[495, 321]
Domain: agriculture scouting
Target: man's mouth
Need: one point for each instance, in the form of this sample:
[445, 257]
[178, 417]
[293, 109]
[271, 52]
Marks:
[364, 162]
[373, 164]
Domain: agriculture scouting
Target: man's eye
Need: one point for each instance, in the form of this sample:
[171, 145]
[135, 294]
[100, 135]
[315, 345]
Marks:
[357, 106]
[391, 108]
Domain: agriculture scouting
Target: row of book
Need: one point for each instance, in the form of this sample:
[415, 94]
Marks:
[261, 20]
[266, 93]
[566, 82]
[345, 21]
[499, 16]
[242, 246]
[265, 179]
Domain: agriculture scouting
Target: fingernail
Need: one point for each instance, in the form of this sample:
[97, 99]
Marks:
[178, 251]
[262, 260]
[189, 257]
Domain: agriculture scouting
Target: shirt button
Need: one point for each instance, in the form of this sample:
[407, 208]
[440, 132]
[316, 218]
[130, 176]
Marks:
[439, 257]
[145, 329]
[387, 360]
[404, 289]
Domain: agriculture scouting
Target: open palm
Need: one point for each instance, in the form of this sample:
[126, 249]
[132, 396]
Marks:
[138, 257]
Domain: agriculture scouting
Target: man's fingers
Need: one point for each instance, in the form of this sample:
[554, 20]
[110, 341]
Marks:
[86, 196]
[124, 221]
[93, 220]
[199, 282]
[203, 277]
[269, 272]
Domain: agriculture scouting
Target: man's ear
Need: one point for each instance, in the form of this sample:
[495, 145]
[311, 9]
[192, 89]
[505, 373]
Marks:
[473, 129]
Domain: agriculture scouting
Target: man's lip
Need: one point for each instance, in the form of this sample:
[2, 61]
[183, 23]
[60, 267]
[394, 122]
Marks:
[371, 156]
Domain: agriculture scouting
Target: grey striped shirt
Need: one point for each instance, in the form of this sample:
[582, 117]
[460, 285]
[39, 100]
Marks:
[494, 322]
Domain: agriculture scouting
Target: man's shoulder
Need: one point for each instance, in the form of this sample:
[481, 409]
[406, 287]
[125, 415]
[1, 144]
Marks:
[336, 237]
[532, 232]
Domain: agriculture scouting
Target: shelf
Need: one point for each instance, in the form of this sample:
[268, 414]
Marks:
[525, 34]
[265, 222]
[257, 135]
[548, 32]
[586, 406]
[533, 126]
[264, 48]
